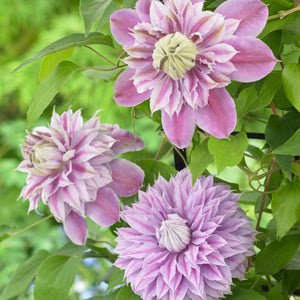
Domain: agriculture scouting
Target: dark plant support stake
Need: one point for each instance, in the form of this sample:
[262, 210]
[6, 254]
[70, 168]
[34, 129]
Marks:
[178, 161]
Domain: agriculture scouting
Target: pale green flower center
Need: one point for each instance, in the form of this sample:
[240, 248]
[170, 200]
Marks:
[45, 158]
[175, 54]
[175, 234]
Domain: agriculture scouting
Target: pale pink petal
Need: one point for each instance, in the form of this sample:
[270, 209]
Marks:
[222, 52]
[125, 92]
[159, 16]
[254, 61]
[218, 118]
[121, 23]
[75, 228]
[252, 13]
[143, 10]
[179, 129]
[127, 177]
[126, 141]
[105, 210]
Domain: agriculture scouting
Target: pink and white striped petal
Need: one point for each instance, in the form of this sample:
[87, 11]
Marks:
[121, 22]
[125, 92]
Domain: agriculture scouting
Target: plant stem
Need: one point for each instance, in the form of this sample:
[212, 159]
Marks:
[284, 13]
[103, 57]
[263, 198]
[31, 226]
[163, 141]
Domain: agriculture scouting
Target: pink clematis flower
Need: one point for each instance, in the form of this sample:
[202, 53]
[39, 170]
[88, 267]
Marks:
[72, 167]
[184, 241]
[182, 58]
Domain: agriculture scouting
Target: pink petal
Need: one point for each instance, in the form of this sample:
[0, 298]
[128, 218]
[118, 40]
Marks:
[179, 128]
[105, 210]
[252, 13]
[143, 10]
[127, 177]
[125, 92]
[75, 228]
[121, 23]
[161, 93]
[254, 61]
[218, 118]
[126, 141]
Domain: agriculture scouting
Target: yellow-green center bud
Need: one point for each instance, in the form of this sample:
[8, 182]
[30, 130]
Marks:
[175, 54]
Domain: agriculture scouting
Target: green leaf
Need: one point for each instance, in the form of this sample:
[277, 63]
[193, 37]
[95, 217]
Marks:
[153, 168]
[277, 24]
[276, 255]
[291, 146]
[117, 278]
[47, 90]
[112, 7]
[278, 131]
[291, 280]
[286, 206]
[55, 277]
[50, 62]
[228, 152]
[243, 294]
[290, 80]
[245, 101]
[70, 41]
[70, 249]
[200, 159]
[107, 74]
[91, 10]
[24, 275]
[127, 293]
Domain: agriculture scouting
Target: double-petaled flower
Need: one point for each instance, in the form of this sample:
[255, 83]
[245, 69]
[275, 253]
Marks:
[182, 58]
[184, 241]
[72, 167]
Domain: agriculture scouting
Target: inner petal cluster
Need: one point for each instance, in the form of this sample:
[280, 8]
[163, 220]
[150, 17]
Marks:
[175, 54]
[174, 234]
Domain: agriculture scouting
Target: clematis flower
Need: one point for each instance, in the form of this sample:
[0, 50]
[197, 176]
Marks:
[72, 167]
[184, 241]
[182, 58]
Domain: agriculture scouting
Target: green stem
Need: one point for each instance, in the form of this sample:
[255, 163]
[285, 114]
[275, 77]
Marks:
[103, 57]
[31, 226]
[283, 13]
[163, 141]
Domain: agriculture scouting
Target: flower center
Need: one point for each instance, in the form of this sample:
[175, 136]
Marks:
[45, 158]
[174, 234]
[175, 54]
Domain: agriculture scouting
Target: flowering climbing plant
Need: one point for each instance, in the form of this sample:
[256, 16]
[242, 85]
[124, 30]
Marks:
[215, 211]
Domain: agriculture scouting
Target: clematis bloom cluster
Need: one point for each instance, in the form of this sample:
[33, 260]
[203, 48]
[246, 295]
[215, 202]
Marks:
[184, 241]
[182, 58]
[72, 167]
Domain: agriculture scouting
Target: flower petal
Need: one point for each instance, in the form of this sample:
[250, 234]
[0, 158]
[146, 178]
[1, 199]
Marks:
[252, 13]
[75, 228]
[127, 177]
[125, 92]
[143, 10]
[179, 128]
[254, 61]
[121, 23]
[106, 209]
[218, 118]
